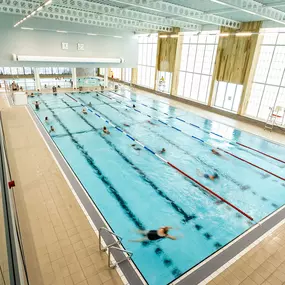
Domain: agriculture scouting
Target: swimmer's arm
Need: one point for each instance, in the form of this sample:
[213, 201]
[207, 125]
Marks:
[171, 237]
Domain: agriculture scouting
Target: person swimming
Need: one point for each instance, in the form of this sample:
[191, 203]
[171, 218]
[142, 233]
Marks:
[134, 105]
[84, 111]
[46, 120]
[37, 105]
[215, 152]
[208, 176]
[126, 125]
[153, 235]
[90, 104]
[135, 147]
[52, 130]
[163, 150]
[105, 130]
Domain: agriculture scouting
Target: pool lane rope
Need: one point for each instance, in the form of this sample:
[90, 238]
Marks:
[170, 164]
[208, 132]
[210, 145]
[110, 105]
[115, 193]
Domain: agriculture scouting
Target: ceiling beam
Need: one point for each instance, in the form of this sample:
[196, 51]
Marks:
[81, 17]
[255, 8]
[181, 11]
[125, 13]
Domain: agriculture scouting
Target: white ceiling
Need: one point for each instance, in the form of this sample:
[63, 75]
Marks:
[151, 15]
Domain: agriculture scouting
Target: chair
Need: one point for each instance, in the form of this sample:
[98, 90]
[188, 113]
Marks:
[275, 117]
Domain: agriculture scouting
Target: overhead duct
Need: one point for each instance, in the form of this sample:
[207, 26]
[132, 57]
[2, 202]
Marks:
[32, 58]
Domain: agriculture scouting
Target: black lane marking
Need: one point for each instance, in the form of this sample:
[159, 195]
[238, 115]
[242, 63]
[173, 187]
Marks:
[144, 177]
[75, 133]
[187, 218]
[111, 189]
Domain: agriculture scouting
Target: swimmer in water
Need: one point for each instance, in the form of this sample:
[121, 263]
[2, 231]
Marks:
[90, 104]
[105, 131]
[208, 176]
[215, 152]
[163, 150]
[37, 105]
[52, 130]
[126, 125]
[152, 235]
[46, 120]
[84, 111]
[135, 147]
[134, 105]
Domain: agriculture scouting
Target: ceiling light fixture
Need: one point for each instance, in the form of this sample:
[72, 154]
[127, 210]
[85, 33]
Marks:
[89, 34]
[33, 12]
[24, 28]
[119, 37]
[163, 36]
[174, 36]
[65, 32]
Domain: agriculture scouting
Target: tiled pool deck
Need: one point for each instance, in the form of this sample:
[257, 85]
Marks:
[60, 245]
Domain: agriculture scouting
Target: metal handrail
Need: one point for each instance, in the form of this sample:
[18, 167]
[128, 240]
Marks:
[107, 246]
[113, 265]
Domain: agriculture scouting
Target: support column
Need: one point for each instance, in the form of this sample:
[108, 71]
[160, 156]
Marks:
[37, 79]
[74, 77]
[106, 77]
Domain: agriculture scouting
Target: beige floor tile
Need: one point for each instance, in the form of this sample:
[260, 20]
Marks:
[95, 279]
[77, 277]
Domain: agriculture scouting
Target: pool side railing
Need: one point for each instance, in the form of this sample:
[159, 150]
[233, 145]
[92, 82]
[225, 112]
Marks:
[112, 246]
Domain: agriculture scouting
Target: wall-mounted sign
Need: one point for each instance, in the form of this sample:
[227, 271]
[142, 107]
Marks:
[80, 46]
[64, 45]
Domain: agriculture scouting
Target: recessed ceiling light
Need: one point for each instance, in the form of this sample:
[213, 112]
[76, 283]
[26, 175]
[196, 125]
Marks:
[61, 31]
[119, 37]
[24, 28]
[89, 34]
[40, 8]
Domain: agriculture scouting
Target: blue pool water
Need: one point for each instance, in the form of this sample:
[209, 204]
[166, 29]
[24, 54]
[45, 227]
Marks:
[136, 190]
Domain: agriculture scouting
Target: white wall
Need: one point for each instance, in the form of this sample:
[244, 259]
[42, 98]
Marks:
[48, 43]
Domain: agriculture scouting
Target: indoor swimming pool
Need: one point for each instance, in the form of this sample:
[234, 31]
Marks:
[136, 187]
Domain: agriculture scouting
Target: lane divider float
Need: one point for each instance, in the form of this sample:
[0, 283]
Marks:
[210, 145]
[176, 168]
[209, 132]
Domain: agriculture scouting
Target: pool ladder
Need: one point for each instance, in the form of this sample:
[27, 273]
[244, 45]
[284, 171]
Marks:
[113, 246]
